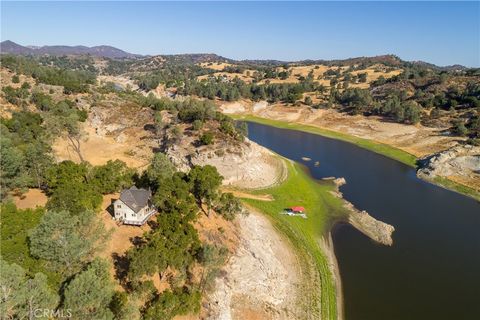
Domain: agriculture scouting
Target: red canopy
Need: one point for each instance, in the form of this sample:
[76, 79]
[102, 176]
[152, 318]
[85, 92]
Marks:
[298, 209]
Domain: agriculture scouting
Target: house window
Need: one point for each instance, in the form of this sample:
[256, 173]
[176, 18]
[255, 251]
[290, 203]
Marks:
[119, 205]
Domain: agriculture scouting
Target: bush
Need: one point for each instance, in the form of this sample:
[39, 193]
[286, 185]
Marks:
[308, 100]
[206, 138]
[197, 125]
[229, 206]
[459, 128]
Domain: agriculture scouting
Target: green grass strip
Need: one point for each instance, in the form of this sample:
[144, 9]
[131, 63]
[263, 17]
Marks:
[319, 290]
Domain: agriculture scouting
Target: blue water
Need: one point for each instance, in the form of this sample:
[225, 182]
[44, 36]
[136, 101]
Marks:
[432, 271]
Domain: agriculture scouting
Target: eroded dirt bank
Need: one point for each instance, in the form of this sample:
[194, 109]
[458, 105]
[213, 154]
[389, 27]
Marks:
[261, 279]
[460, 164]
[242, 165]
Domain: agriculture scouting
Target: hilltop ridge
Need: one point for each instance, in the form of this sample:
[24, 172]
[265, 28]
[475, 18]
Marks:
[106, 51]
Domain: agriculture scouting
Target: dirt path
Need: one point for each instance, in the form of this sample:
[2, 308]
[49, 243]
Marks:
[246, 195]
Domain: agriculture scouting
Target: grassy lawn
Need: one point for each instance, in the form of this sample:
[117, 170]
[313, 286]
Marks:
[318, 293]
[377, 147]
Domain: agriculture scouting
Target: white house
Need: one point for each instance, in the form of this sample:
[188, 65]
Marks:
[134, 206]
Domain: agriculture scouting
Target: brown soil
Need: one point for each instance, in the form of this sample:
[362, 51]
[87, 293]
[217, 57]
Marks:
[121, 235]
[31, 199]
[98, 149]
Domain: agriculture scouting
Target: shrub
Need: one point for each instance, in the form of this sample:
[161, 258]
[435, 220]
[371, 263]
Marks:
[206, 138]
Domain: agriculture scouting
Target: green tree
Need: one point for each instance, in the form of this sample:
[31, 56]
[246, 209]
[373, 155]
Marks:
[212, 259]
[14, 227]
[205, 182]
[460, 128]
[362, 77]
[15, 79]
[67, 241]
[112, 176]
[21, 295]
[89, 294]
[174, 195]
[75, 197]
[308, 100]
[123, 307]
[12, 162]
[72, 187]
[65, 173]
[169, 304]
[160, 169]
[412, 112]
[229, 206]
[197, 125]
[172, 244]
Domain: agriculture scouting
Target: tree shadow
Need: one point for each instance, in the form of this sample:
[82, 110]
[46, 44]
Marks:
[121, 265]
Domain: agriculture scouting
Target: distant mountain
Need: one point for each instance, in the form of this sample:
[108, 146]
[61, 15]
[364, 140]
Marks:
[10, 47]
[13, 48]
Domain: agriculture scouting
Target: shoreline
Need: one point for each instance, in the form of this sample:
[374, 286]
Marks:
[372, 145]
[328, 248]
[321, 281]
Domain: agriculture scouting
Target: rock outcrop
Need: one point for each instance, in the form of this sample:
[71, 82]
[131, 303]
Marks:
[376, 230]
[459, 160]
[242, 164]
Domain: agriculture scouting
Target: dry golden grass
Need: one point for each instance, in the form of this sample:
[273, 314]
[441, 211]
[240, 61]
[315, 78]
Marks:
[215, 65]
[99, 149]
[373, 73]
[230, 76]
[318, 70]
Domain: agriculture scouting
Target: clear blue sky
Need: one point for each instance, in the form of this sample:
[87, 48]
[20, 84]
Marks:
[443, 33]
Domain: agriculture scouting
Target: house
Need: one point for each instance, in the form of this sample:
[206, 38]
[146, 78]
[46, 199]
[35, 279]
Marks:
[134, 206]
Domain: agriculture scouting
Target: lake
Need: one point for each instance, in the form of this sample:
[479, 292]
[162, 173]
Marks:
[432, 271]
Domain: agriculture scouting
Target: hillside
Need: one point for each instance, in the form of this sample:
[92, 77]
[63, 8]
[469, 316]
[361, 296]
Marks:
[417, 107]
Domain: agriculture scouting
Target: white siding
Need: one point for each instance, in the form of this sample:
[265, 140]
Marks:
[122, 211]
[128, 216]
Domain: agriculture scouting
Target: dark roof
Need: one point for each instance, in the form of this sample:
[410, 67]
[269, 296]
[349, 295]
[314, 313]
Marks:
[135, 198]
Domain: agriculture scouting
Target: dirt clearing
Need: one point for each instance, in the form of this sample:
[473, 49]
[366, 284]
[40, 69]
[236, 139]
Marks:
[31, 199]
